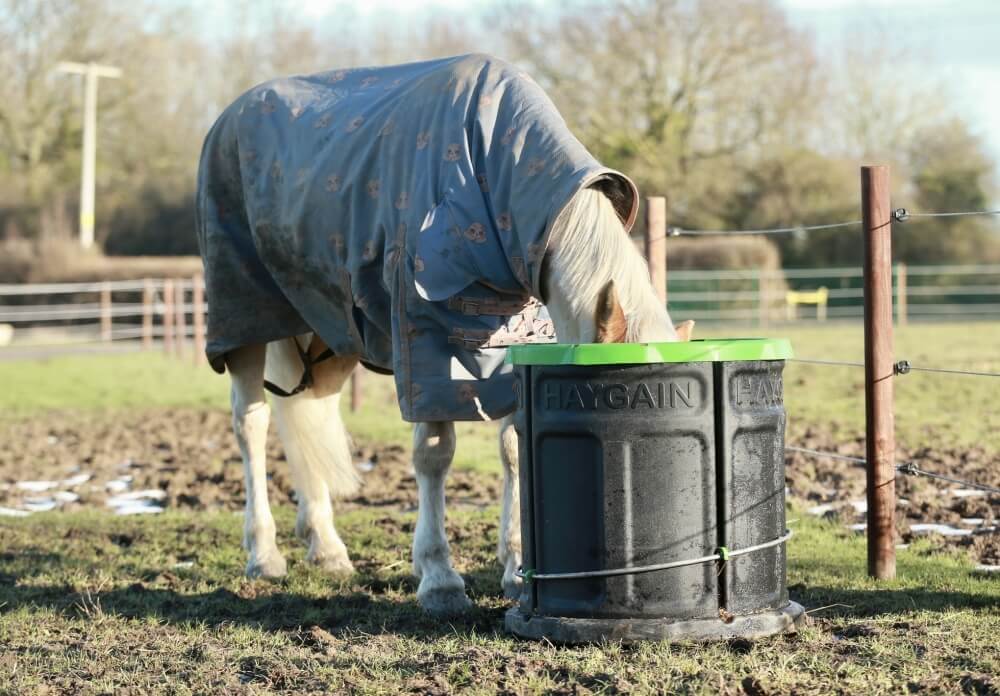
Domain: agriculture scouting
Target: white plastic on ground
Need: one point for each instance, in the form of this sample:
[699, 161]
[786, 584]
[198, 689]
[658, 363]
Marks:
[942, 529]
[39, 504]
[137, 502]
[967, 493]
[77, 480]
[36, 486]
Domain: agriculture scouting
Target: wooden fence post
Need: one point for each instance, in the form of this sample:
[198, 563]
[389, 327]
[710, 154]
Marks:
[168, 316]
[656, 244]
[198, 316]
[356, 379]
[901, 308]
[762, 308]
[880, 442]
[180, 315]
[147, 314]
[105, 311]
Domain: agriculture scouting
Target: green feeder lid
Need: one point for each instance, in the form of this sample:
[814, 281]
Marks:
[707, 350]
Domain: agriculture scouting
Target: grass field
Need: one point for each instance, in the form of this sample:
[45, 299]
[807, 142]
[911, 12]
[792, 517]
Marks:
[93, 603]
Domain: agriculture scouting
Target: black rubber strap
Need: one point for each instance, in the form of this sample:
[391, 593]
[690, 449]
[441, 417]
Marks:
[307, 375]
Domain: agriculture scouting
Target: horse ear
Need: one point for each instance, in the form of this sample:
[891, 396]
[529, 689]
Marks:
[609, 318]
[684, 330]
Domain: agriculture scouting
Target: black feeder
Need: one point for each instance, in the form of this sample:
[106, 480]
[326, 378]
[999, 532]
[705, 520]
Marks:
[652, 491]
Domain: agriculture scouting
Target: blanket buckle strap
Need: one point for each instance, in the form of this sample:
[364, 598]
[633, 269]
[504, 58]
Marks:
[307, 374]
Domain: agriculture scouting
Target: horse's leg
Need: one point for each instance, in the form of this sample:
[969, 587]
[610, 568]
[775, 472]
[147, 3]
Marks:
[250, 419]
[509, 545]
[318, 451]
[441, 590]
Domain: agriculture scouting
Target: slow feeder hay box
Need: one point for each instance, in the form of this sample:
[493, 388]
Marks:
[652, 491]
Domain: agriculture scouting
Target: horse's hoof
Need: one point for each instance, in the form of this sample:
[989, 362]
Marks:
[443, 602]
[512, 587]
[334, 565]
[269, 567]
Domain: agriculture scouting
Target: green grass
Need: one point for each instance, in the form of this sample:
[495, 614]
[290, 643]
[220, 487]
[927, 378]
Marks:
[122, 381]
[93, 603]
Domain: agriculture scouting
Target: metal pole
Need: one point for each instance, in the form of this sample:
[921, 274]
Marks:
[89, 161]
[880, 441]
[91, 72]
[656, 244]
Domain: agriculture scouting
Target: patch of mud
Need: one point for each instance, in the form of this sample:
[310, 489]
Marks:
[89, 460]
[69, 461]
[834, 488]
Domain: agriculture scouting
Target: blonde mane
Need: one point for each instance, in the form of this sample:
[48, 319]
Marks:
[589, 247]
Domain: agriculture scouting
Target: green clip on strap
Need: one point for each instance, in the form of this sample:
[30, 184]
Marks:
[723, 553]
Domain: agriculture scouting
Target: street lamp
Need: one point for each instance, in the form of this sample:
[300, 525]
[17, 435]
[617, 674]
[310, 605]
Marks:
[90, 71]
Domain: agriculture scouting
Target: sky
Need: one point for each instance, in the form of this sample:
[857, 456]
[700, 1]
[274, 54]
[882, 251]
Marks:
[953, 40]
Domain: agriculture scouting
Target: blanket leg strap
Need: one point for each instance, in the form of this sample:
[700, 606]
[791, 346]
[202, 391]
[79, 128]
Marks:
[307, 375]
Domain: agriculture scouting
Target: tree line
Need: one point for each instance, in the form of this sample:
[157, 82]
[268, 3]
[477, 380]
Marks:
[726, 109]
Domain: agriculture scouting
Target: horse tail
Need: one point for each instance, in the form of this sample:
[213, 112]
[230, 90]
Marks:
[316, 443]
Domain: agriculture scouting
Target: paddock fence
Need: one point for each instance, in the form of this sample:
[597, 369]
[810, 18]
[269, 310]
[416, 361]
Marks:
[881, 296]
[169, 313]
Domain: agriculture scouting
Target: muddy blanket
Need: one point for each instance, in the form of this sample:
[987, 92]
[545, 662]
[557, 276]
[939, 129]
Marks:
[401, 213]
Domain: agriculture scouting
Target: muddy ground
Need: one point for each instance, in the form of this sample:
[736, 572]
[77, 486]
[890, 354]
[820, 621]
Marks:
[192, 457]
[836, 488]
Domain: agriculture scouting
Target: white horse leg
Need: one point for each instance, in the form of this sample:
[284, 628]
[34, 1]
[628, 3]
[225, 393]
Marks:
[509, 545]
[318, 450]
[250, 420]
[441, 590]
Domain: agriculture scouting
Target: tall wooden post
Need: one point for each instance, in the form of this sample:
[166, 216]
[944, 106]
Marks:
[198, 316]
[901, 308]
[656, 244]
[180, 314]
[106, 311]
[356, 379]
[168, 316]
[147, 314]
[880, 441]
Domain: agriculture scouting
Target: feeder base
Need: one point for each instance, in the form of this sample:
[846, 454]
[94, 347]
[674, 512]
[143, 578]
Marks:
[571, 630]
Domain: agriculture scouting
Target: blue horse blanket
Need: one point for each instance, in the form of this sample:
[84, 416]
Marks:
[401, 213]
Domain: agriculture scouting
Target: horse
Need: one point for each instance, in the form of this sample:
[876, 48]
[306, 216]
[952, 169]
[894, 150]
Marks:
[516, 212]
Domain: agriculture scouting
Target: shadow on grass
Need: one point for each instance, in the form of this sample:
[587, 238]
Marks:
[381, 605]
[368, 605]
[857, 603]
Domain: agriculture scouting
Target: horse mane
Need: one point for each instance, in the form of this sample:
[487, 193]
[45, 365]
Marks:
[589, 247]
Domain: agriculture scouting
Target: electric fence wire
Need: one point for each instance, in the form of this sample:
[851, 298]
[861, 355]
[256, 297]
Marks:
[908, 469]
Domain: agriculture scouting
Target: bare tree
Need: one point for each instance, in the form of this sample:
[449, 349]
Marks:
[673, 91]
